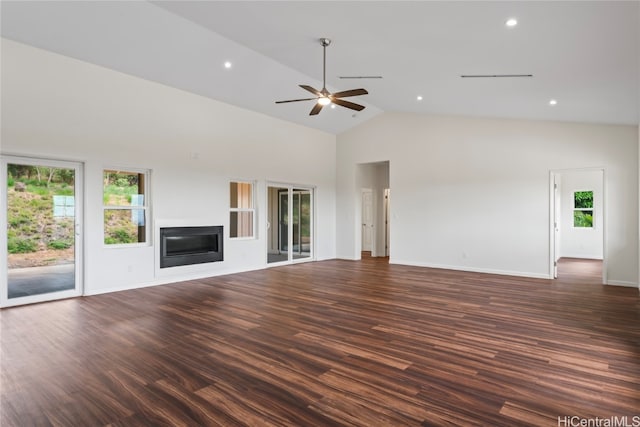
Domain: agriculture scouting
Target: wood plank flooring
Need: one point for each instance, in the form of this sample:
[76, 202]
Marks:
[580, 271]
[354, 343]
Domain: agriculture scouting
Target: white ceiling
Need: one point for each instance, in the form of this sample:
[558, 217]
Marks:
[584, 54]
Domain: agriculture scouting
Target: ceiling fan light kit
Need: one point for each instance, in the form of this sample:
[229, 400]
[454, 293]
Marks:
[324, 97]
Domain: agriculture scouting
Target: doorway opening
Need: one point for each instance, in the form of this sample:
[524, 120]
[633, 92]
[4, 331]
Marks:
[577, 225]
[387, 219]
[41, 240]
[289, 224]
[373, 210]
[580, 270]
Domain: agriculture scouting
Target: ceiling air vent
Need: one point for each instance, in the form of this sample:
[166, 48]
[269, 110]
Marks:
[359, 77]
[493, 75]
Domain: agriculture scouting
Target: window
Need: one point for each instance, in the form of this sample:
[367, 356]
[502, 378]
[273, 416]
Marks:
[583, 209]
[125, 205]
[241, 211]
[64, 206]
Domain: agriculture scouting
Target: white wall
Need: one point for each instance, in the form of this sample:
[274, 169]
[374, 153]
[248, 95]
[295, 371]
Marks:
[581, 242]
[58, 107]
[473, 194]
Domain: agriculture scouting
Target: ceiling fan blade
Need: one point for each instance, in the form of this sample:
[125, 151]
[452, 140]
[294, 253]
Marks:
[294, 100]
[312, 90]
[316, 109]
[348, 104]
[347, 93]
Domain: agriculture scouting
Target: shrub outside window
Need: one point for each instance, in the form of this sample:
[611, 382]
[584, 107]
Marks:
[241, 210]
[125, 206]
[583, 209]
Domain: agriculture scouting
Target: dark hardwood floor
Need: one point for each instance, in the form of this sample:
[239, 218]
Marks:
[580, 271]
[358, 343]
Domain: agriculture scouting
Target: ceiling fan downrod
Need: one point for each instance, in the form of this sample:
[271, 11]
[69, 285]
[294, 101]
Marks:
[324, 42]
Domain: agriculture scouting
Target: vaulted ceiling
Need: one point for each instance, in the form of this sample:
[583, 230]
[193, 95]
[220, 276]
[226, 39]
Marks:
[585, 55]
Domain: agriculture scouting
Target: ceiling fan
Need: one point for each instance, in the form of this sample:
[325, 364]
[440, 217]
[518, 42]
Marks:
[324, 97]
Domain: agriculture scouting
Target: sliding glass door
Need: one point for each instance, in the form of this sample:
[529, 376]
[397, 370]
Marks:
[289, 224]
[301, 221]
[41, 230]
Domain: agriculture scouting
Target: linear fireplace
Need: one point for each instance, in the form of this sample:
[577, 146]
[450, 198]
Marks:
[190, 245]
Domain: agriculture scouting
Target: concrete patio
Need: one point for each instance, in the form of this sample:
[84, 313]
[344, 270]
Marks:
[40, 280]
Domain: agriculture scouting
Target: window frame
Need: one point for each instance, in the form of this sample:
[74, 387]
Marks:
[145, 208]
[592, 209]
[252, 210]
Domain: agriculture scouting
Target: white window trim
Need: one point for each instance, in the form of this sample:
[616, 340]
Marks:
[146, 208]
[252, 210]
[592, 208]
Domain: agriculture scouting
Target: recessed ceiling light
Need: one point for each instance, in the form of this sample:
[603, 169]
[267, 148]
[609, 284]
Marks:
[511, 22]
[553, 102]
[419, 98]
[333, 105]
[227, 64]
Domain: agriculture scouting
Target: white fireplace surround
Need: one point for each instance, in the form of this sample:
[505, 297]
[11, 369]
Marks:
[192, 270]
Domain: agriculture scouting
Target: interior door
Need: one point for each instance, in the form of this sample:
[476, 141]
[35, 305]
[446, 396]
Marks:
[556, 225]
[41, 230]
[367, 219]
[387, 220]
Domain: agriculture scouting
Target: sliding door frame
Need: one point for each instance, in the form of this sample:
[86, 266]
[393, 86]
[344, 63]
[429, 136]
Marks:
[78, 168]
[291, 188]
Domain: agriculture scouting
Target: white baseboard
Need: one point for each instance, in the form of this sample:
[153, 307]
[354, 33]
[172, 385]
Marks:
[89, 293]
[168, 280]
[204, 275]
[471, 269]
[581, 256]
[622, 283]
